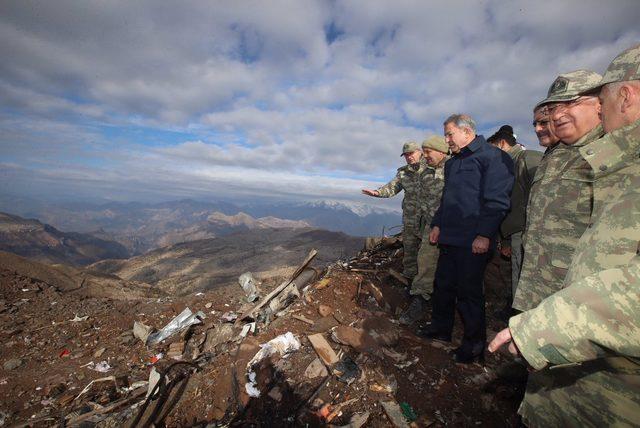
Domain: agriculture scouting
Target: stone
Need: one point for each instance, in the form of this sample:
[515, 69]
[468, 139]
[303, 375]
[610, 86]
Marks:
[323, 324]
[99, 352]
[325, 310]
[176, 349]
[315, 369]
[12, 364]
[357, 338]
[222, 333]
[141, 331]
[383, 331]
[275, 394]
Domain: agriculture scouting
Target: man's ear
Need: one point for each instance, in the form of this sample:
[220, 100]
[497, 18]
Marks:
[627, 95]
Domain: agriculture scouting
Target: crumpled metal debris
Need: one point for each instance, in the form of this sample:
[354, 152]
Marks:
[185, 319]
[248, 284]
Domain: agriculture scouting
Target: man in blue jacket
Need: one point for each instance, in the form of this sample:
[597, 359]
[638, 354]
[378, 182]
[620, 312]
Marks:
[476, 198]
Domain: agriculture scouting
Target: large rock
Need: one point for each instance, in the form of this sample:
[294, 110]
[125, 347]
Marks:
[222, 333]
[357, 338]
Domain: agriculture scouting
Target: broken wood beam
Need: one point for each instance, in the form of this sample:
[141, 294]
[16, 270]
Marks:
[279, 288]
[323, 349]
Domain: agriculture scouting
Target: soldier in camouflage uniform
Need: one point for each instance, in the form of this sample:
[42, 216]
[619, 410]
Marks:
[435, 151]
[561, 196]
[408, 179]
[589, 332]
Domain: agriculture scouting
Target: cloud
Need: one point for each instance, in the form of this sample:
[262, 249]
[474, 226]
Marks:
[203, 97]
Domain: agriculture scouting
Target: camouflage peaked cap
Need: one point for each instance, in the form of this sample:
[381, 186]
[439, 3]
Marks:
[569, 86]
[624, 67]
[436, 143]
[410, 147]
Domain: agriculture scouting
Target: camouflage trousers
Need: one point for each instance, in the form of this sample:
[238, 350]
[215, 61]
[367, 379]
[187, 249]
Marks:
[598, 393]
[427, 262]
[411, 244]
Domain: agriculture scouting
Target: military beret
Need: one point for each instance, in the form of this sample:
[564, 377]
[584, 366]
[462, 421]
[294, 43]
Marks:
[570, 86]
[436, 142]
[624, 67]
[409, 147]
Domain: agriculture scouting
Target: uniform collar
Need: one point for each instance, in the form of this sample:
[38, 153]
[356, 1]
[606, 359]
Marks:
[590, 136]
[513, 151]
[613, 151]
[476, 144]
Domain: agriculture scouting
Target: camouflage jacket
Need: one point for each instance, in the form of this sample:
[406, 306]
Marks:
[558, 213]
[595, 320]
[432, 183]
[408, 178]
[525, 164]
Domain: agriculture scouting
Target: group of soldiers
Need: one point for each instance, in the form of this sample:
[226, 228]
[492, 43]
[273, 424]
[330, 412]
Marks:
[571, 229]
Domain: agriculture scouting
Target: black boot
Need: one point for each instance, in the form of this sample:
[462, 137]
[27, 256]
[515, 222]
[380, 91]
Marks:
[414, 312]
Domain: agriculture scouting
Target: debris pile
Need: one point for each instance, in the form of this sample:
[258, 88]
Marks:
[319, 347]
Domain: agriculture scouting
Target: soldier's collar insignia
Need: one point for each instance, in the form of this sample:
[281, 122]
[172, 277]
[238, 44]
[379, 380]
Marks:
[560, 85]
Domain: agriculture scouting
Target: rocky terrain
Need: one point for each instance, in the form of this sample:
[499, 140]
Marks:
[73, 358]
[202, 265]
[41, 242]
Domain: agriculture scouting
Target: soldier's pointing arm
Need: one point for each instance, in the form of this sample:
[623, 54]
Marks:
[594, 317]
[392, 188]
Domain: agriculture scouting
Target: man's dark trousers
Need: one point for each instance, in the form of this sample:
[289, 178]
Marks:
[458, 283]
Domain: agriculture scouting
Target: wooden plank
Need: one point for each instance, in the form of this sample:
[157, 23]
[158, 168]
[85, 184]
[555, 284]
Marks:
[323, 349]
[280, 287]
[303, 319]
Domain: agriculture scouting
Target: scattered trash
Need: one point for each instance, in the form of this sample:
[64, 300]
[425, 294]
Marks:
[248, 328]
[389, 385]
[408, 411]
[283, 344]
[248, 284]
[64, 353]
[346, 370]
[155, 358]
[358, 420]
[101, 367]
[154, 378]
[208, 305]
[407, 363]
[229, 316]
[99, 352]
[185, 319]
[79, 319]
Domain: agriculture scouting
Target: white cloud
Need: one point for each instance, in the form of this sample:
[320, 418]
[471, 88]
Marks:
[261, 92]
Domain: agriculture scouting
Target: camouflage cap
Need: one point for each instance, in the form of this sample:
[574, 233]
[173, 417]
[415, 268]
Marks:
[624, 67]
[436, 142]
[410, 147]
[570, 86]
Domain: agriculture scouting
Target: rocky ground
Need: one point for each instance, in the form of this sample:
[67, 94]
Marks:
[71, 358]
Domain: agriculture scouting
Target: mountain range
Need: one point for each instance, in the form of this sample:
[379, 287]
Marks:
[141, 227]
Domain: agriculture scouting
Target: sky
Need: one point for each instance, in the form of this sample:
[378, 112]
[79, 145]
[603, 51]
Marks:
[284, 100]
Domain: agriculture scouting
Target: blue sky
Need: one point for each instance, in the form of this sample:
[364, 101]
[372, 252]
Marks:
[290, 99]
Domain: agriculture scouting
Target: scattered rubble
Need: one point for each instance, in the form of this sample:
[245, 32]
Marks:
[349, 363]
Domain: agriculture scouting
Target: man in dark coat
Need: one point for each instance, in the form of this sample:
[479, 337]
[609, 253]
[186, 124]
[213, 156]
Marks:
[475, 200]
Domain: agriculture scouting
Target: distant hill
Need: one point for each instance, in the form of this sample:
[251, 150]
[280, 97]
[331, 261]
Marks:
[205, 264]
[69, 279]
[37, 241]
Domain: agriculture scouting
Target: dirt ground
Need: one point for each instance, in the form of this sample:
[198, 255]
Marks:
[51, 353]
